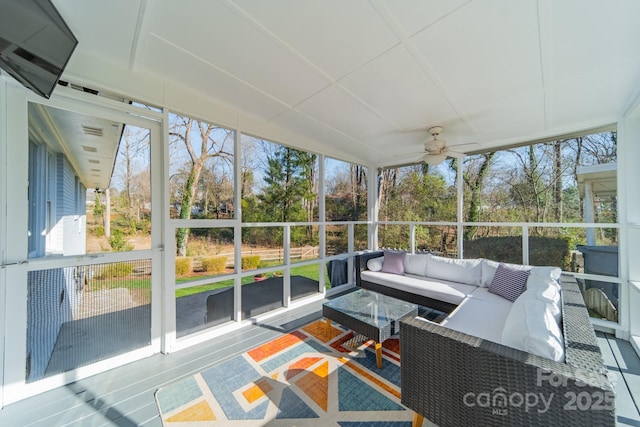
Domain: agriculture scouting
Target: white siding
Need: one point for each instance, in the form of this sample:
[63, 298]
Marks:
[70, 209]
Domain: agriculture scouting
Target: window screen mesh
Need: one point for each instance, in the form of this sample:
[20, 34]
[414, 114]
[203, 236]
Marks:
[80, 315]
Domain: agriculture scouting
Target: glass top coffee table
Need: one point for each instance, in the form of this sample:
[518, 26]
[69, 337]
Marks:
[369, 313]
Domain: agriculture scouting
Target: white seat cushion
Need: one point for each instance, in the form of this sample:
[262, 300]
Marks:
[481, 315]
[484, 295]
[441, 290]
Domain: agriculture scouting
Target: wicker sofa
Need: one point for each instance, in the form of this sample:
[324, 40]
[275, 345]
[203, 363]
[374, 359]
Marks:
[455, 378]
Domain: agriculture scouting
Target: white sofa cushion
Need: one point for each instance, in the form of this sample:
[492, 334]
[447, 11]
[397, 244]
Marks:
[544, 277]
[450, 292]
[549, 295]
[467, 271]
[482, 315]
[537, 273]
[415, 264]
[484, 295]
[375, 264]
[531, 327]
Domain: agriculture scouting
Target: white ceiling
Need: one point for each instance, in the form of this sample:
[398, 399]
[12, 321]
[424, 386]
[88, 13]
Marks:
[367, 78]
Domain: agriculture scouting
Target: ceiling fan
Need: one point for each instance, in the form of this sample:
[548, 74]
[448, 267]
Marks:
[436, 150]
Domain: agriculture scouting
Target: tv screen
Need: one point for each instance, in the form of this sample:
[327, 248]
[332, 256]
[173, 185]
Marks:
[35, 43]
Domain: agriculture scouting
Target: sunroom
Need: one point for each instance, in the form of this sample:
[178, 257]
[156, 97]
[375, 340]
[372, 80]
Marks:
[201, 168]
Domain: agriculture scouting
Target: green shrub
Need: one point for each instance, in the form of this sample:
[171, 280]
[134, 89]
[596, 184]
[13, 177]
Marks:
[214, 264]
[117, 269]
[542, 250]
[118, 242]
[250, 262]
[99, 231]
[184, 266]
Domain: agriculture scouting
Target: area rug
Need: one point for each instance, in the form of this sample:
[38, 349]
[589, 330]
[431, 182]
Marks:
[314, 376]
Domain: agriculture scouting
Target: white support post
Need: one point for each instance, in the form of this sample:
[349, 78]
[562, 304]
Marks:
[107, 215]
[460, 209]
[525, 244]
[3, 228]
[322, 229]
[412, 238]
[351, 248]
[286, 282]
[589, 215]
[162, 296]
[237, 228]
[372, 207]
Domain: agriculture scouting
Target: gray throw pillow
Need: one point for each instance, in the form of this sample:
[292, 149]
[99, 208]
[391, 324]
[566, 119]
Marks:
[393, 262]
[509, 282]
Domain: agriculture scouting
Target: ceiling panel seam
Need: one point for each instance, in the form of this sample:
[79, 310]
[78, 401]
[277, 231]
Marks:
[267, 32]
[356, 140]
[396, 27]
[545, 33]
[331, 82]
[222, 70]
[135, 45]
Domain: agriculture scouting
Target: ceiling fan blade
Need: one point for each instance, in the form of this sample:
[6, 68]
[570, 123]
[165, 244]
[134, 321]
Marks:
[456, 154]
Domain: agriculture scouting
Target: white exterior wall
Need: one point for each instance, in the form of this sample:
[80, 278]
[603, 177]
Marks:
[70, 209]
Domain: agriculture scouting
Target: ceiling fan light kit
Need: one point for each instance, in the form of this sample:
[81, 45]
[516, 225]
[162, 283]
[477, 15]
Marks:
[435, 149]
[434, 146]
[434, 159]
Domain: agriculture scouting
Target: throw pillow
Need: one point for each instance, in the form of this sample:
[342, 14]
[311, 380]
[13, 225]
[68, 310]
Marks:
[530, 327]
[415, 264]
[509, 282]
[375, 264]
[489, 268]
[393, 262]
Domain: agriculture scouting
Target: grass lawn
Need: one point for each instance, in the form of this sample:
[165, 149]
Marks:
[310, 271]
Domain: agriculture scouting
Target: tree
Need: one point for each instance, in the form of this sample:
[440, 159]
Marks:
[133, 157]
[387, 183]
[202, 142]
[289, 185]
[557, 178]
[474, 176]
[358, 177]
[414, 193]
[98, 209]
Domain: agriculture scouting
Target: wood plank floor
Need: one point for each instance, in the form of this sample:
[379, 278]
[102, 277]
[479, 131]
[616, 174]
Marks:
[125, 396]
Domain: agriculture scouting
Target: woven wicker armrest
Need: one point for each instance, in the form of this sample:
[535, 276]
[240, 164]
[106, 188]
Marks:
[361, 263]
[452, 378]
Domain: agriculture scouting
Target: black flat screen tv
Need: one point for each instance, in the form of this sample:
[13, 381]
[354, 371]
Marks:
[35, 43]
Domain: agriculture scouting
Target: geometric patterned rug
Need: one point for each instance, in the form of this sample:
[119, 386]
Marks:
[313, 376]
